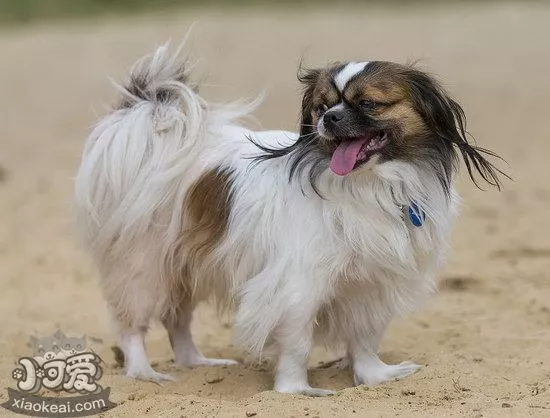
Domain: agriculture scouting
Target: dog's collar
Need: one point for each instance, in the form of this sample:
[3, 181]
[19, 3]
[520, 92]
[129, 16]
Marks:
[416, 215]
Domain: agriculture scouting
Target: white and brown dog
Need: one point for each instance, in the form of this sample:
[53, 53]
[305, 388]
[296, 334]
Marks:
[327, 233]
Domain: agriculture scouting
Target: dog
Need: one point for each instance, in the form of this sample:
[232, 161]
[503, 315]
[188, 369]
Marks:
[325, 234]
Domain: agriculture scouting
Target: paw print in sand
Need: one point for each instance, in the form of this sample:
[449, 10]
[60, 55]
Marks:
[40, 373]
[18, 374]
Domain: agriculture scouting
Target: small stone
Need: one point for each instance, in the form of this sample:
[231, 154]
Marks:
[506, 405]
[251, 414]
[216, 379]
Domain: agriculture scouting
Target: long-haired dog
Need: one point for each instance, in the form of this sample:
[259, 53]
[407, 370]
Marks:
[328, 233]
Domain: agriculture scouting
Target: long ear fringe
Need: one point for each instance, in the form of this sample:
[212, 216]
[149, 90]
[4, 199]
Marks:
[475, 161]
[473, 155]
[268, 153]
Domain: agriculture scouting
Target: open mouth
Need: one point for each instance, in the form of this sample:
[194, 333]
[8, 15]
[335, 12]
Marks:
[353, 152]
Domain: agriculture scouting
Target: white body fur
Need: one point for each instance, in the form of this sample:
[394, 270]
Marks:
[295, 264]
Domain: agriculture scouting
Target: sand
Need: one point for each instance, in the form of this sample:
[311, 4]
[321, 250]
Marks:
[484, 339]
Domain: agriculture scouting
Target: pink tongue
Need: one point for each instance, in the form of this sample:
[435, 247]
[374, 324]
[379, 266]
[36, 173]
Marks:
[345, 156]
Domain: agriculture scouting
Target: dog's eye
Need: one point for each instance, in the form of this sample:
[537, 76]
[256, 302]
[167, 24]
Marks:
[368, 104]
[319, 110]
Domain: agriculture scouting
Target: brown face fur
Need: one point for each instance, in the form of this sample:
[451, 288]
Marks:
[392, 110]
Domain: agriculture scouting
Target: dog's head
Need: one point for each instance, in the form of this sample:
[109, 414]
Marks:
[358, 115]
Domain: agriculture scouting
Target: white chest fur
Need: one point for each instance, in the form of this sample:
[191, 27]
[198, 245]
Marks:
[283, 244]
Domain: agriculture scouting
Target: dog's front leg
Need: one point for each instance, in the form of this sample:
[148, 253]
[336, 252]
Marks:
[368, 368]
[294, 337]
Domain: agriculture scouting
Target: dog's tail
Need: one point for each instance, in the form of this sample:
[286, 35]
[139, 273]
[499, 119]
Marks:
[138, 158]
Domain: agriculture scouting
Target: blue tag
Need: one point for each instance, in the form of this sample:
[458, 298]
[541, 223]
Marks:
[416, 215]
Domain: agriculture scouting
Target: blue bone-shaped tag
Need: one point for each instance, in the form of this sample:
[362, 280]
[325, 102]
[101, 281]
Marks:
[416, 215]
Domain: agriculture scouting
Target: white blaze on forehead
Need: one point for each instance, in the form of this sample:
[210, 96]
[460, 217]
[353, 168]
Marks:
[339, 106]
[347, 73]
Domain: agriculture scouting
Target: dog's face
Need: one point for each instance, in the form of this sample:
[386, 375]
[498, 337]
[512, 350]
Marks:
[357, 115]
[365, 112]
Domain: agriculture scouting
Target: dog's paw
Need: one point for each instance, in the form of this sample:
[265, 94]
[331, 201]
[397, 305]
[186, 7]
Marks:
[374, 375]
[304, 390]
[218, 362]
[206, 361]
[149, 375]
[317, 392]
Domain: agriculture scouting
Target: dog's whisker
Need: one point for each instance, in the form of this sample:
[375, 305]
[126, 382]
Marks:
[310, 134]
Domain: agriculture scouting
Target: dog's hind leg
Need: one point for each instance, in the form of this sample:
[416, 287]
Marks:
[135, 357]
[133, 296]
[186, 353]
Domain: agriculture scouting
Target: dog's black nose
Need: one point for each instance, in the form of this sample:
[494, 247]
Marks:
[332, 118]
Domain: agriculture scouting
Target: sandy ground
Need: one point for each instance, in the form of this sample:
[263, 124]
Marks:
[484, 338]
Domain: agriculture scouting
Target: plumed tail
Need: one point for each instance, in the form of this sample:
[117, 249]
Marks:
[157, 78]
[136, 159]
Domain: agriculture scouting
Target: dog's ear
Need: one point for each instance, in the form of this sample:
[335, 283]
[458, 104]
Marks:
[308, 78]
[446, 119]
